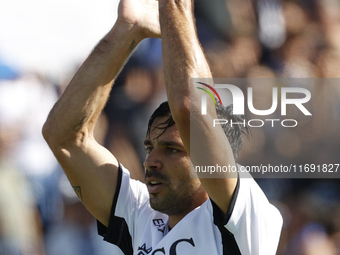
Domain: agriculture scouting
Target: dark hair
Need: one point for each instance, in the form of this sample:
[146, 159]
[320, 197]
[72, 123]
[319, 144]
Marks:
[233, 133]
[162, 111]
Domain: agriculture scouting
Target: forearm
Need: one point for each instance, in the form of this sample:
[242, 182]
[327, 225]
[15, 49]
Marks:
[183, 58]
[76, 112]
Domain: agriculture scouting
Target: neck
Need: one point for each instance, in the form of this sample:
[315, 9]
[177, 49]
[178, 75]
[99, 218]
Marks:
[174, 219]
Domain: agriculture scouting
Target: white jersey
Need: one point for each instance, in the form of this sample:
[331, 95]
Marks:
[251, 226]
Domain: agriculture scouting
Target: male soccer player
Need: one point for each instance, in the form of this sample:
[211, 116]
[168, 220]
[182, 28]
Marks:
[171, 213]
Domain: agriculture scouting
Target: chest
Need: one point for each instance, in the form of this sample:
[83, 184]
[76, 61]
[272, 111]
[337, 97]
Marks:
[191, 236]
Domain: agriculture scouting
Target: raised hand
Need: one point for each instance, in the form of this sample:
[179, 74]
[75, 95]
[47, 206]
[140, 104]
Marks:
[142, 14]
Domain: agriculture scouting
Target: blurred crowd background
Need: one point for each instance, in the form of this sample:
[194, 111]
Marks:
[39, 212]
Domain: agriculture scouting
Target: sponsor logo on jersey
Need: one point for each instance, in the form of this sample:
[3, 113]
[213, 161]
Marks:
[159, 223]
[161, 251]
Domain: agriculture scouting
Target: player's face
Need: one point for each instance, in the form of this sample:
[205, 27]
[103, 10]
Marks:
[167, 165]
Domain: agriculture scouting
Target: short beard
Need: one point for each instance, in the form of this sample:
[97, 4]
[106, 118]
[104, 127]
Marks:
[174, 203]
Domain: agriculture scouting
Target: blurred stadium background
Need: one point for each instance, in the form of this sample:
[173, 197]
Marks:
[43, 42]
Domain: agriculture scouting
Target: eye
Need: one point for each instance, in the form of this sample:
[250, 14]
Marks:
[171, 150]
[148, 149]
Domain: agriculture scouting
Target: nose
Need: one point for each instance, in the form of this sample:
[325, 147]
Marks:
[153, 160]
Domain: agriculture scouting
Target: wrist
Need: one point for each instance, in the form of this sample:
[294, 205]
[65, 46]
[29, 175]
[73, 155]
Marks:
[182, 6]
[125, 32]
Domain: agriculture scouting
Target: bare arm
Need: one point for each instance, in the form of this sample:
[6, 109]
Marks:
[92, 169]
[183, 59]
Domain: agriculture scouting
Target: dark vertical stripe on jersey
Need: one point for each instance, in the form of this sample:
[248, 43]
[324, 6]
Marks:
[117, 232]
[232, 202]
[229, 243]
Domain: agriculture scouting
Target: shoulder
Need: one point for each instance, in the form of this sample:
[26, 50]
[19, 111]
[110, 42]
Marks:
[130, 189]
[251, 200]
[254, 221]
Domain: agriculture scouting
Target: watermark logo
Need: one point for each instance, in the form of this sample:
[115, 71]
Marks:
[204, 96]
[239, 103]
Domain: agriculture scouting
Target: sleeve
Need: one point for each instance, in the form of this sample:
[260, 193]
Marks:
[254, 222]
[130, 195]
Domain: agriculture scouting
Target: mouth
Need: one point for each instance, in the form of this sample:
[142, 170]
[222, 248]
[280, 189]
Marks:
[154, 186]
